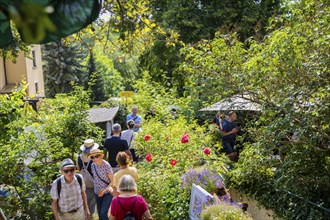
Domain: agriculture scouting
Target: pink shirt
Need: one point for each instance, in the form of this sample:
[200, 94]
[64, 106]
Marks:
[139, 208]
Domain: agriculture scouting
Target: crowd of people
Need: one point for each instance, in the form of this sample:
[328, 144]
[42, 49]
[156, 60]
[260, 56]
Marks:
[106, 181]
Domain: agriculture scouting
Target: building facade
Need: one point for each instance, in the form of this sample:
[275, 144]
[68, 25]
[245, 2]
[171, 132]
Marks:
[26, 68]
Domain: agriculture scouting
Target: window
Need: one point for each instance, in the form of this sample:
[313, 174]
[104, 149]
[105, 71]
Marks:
[36, 87]
[34, 58]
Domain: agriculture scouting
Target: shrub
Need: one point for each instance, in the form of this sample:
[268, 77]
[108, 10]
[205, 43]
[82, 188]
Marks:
[224, 211]
[160, 180]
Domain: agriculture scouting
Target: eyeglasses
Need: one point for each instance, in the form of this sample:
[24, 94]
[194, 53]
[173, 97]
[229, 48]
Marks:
[71, 170]
[96, 156]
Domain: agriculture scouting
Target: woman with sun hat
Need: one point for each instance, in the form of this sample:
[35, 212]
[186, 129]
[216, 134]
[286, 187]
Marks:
[103, 176]
[84, 165]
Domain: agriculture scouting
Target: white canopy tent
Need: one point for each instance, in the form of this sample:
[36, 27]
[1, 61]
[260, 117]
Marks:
[234, 103]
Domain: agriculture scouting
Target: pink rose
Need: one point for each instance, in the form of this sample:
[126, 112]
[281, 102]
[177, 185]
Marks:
[207, 151]
[173, 162]
[147, 137]
[184, 139]
[148, 157]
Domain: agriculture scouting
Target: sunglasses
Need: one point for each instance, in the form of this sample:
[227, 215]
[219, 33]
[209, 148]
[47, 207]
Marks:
[71, 170]
[96, 156]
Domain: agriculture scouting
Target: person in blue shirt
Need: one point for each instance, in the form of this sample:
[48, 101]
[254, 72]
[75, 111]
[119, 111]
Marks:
[135, 117]
[228, 132]
[219, 119]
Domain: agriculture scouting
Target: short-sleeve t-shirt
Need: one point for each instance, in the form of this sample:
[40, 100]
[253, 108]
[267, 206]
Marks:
[228, 126]
[70, 194]
[114, 145]
[140, 206]
[103, 171]
[128, 136]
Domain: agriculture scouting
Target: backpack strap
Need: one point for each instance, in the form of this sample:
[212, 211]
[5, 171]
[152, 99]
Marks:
[130, 142]
[79, 180]
[59, 184]
[100, 177]
[135, 118]
[80, 162]
[121, 206]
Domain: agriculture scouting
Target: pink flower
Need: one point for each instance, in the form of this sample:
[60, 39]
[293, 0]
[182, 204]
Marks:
[147, 137]
[173, 162]
[184, 139]
[207, 151]
[148, 157]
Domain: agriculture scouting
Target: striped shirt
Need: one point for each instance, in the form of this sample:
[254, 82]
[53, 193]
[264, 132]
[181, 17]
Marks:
[70, 195]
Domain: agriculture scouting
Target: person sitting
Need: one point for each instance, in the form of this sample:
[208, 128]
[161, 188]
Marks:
[129, 201]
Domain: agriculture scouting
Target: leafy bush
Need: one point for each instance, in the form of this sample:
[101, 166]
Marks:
[160, 179]
[223, 211]
[35, 143]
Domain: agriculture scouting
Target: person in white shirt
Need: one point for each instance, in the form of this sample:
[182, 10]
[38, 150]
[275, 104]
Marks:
[129, 135]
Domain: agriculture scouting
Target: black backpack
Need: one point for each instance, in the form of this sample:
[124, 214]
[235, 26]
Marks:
[128, 215]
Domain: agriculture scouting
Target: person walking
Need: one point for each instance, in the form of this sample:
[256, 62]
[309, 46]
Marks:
[113, 145]
[129, 136]
[84, 165]
[123, 161]
[69, 201]
[135, 117]
[103, 177]
[129, 201]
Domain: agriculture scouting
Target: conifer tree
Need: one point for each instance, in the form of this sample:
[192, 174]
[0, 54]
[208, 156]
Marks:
[63, 64]
[95, 80]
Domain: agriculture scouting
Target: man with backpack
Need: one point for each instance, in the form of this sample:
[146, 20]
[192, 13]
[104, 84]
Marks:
[68, 195]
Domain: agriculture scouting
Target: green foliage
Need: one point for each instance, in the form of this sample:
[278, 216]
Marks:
[288, 74]
[34, 144]
[224, 211]
[95, 80]
[166, 199]
[160, 61]
[160, 182]
[69, 119]
[63, 65]
[161, 100]
[195, 20]
[114, 80]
